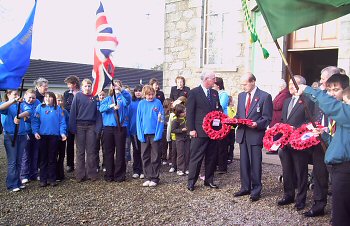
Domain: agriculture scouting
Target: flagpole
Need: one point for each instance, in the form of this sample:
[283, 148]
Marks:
[117, 111]
[18, 112]
[307, 110]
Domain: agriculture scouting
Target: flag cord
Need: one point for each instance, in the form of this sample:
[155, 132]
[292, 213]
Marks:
[253, 34]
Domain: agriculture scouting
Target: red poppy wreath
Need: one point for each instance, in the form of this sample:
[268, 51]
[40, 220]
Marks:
[208, 125]
[234, 121]
[303, 138]
[284, 130]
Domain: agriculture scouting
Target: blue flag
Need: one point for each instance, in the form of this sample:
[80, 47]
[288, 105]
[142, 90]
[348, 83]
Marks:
[15, 56]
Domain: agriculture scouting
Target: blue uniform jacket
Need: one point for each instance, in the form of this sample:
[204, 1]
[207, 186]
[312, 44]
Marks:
[28, 122]
[150, 119]
[48, 121]
[338, 150]
[7, 117]
[108, 114]
[132, 116]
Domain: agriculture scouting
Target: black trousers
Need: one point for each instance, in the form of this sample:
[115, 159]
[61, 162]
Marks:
[48, 145]
[136, 155]
[114, 157]
[60, 160]
[340, 194]
[295, 172]
[320, 178]
[223, 153]
[70, 149]
[202, 147]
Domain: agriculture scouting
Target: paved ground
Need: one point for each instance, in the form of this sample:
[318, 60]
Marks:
[170, 203]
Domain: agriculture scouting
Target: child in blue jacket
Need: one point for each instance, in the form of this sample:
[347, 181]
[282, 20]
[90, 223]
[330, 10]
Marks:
[150, 126]
[49, 126]
[115, 131]
[30, 158]
[9, 119]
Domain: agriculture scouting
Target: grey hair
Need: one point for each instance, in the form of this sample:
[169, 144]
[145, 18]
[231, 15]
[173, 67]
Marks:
[40, 81]
[301, 79]
[330, 70]
[282, 83]
[206, 74]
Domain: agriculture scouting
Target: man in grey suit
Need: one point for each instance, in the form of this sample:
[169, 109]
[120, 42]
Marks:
[202, 100]
[256, 105]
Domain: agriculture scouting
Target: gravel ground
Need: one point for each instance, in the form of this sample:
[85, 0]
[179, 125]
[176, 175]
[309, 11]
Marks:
[127, 203]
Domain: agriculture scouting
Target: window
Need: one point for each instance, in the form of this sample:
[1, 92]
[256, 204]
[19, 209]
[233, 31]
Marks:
[220, 26]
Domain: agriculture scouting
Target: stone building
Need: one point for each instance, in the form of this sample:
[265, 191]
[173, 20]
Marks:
[212, 35]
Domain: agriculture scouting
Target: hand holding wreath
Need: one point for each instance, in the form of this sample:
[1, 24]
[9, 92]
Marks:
[208, 125]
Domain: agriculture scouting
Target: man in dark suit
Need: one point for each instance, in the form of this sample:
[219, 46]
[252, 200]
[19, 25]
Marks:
[256, 105]
[294, 162]
[202, 100]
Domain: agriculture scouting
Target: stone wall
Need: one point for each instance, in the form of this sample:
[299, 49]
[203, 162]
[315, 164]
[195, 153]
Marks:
[182, 46]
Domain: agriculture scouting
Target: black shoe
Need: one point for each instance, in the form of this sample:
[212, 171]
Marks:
[314, 213]
[190, 188]
[43, 184]
[285, 201]
[272, 152]
[229, 161]
[241, 193]
[254, 198]
[211, 185]
[299, 206]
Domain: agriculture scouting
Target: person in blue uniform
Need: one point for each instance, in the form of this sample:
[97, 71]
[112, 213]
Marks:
[115, 131]
[30, 158]
[9, 119]
[49, 126]
[150, 126]
[338, 151]
[136, 144]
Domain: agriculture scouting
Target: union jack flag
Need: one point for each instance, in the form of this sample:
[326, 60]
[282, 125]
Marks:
[103, 70]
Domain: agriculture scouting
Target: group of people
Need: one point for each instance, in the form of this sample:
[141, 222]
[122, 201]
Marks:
[170, 130]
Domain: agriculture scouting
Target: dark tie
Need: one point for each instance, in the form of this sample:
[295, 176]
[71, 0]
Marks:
[208, 95]
[290, 106]
[248, 104]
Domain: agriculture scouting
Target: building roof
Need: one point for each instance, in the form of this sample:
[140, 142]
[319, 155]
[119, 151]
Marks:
[55, 72]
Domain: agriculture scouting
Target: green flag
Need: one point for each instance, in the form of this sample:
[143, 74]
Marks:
[285, 16]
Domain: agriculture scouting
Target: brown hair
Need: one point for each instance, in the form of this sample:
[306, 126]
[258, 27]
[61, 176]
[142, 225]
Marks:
[180, 77]
[346, 92]
[179, 108]
[73, 79]
[51, 94]
[8, 92]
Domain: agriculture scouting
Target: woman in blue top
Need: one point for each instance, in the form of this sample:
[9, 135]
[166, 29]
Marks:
[150, 126]
[14, 153]
[114, 131]
[49, 126]
[136, 144]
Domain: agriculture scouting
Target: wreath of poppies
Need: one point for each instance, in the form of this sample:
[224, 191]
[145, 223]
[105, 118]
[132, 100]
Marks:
[284, 130]
[208, 125]
[303, 138]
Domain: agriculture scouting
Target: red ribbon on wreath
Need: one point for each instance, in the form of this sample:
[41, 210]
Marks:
[208, 125]
[234, 121]
[284, 130]
[303, 137]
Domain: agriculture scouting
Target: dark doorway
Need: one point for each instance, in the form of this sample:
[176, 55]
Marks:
[310, 63]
